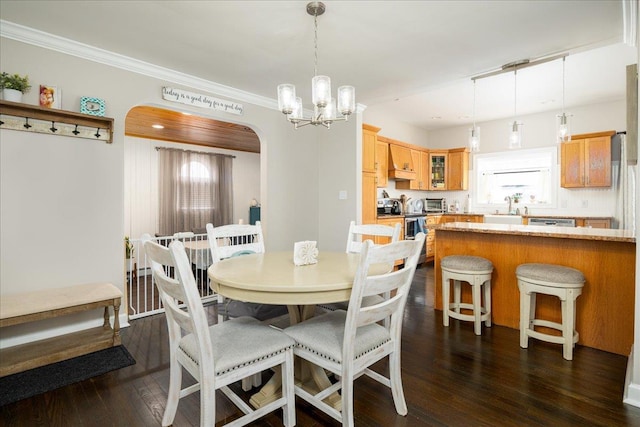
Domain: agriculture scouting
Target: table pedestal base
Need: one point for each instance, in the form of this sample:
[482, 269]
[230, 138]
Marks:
[312, 378]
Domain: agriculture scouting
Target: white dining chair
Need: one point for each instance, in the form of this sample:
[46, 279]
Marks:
[234, 240]
[348, 342]
[215, 356]
[358, 233]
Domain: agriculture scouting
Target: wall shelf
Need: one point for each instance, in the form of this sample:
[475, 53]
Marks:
[33, 118]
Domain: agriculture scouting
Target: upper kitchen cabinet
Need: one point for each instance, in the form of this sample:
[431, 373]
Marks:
[449, 170]
[585, 161]
[369, 139]
[382, 162]
[438, 163]
[369, 173]
[420, 160]
[458, 169]
[401, 163]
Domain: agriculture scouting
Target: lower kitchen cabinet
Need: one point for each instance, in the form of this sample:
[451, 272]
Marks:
[593, 222]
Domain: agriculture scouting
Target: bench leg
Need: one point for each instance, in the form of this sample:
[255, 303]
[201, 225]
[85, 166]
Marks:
[116, 322]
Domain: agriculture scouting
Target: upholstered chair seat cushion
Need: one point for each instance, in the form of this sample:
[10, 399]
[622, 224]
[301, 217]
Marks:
[324, 334]
[242, 340]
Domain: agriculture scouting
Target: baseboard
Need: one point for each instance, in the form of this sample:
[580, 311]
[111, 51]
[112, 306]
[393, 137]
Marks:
[631, 390]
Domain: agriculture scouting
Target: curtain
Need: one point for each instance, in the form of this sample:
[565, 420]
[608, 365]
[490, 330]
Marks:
[194, 189]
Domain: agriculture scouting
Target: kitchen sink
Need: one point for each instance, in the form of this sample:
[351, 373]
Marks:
[503, 219]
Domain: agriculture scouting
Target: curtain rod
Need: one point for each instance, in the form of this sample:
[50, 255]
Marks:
[195, 152]
[517, 65]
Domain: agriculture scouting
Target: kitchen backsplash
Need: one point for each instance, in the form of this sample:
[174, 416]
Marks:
[578, 202]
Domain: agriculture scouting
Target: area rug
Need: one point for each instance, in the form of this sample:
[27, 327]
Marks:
[50, 377]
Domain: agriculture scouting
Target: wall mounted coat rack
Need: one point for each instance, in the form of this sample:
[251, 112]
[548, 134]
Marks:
[33, 118]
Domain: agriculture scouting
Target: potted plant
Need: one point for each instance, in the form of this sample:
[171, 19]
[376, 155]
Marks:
[13, 86]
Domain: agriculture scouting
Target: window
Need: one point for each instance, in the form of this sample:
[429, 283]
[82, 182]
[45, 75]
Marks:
[194, 189]
[195, 177]
[527, 176]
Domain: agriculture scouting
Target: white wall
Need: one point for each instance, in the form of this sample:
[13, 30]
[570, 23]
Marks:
[62, 199]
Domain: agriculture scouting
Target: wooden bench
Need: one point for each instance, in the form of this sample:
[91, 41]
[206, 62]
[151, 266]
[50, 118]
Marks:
[27, 307]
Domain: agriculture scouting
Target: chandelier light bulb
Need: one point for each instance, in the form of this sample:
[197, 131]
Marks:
[320, 91]
[346, 100]
[286, 98]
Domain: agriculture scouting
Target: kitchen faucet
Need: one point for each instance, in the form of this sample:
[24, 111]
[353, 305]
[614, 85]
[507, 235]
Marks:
[508, 199]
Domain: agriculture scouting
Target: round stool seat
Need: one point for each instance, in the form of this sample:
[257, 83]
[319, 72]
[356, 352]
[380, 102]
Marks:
[556, 276]
[466, 263]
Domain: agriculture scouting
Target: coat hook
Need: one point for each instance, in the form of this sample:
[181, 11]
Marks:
[1, 122]
[53, 127]
[75, 131]
[97, 134]
[26, 123]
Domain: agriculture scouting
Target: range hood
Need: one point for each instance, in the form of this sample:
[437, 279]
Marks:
[400, 163]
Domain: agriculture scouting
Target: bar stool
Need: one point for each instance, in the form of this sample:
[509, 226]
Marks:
[564, 282]
[477, 272]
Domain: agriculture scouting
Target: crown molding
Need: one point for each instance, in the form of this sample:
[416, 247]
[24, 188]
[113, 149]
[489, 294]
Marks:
[66, 46]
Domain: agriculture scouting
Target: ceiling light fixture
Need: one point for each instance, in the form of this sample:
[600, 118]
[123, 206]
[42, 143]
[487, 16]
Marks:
[324, 106]
[515, 132]
[563, 121]
[474, 132]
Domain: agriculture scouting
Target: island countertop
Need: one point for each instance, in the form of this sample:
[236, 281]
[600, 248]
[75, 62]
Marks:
[581, 233]
[606, 257]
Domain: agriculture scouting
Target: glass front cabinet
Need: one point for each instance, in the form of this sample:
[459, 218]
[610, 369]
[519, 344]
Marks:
[438, 170]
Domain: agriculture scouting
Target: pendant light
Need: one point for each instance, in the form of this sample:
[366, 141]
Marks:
[474, 132]
[324, 106]
[563, 121]
[515, 129]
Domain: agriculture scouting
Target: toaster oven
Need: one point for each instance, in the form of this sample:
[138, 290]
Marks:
[435, 205]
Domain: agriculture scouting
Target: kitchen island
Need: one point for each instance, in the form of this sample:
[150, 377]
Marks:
[606, 257]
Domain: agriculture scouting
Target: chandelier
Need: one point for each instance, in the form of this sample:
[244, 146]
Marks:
[324, 106]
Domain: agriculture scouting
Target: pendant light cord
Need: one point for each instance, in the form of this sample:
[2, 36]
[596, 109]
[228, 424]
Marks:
[474, 105]
[515, 94]
[563, 59]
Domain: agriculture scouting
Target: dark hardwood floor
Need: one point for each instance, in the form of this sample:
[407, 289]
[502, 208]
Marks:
[451, 378]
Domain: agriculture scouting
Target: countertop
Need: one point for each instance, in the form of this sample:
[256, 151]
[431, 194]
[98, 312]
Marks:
[580, 233]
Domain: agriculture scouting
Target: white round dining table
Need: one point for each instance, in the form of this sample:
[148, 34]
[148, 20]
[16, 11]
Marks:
[273, 278]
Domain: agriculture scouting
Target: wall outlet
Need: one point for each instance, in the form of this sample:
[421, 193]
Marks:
[342, 195]
[585, 203]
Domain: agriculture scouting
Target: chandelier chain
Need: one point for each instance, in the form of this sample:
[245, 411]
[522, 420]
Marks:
[315, 44]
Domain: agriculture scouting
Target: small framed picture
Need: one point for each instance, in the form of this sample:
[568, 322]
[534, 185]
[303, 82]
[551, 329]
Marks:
[50, 97]
[93, 106]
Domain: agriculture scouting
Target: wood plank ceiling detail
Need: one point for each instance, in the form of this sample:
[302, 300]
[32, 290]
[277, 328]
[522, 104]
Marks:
[189, 129]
